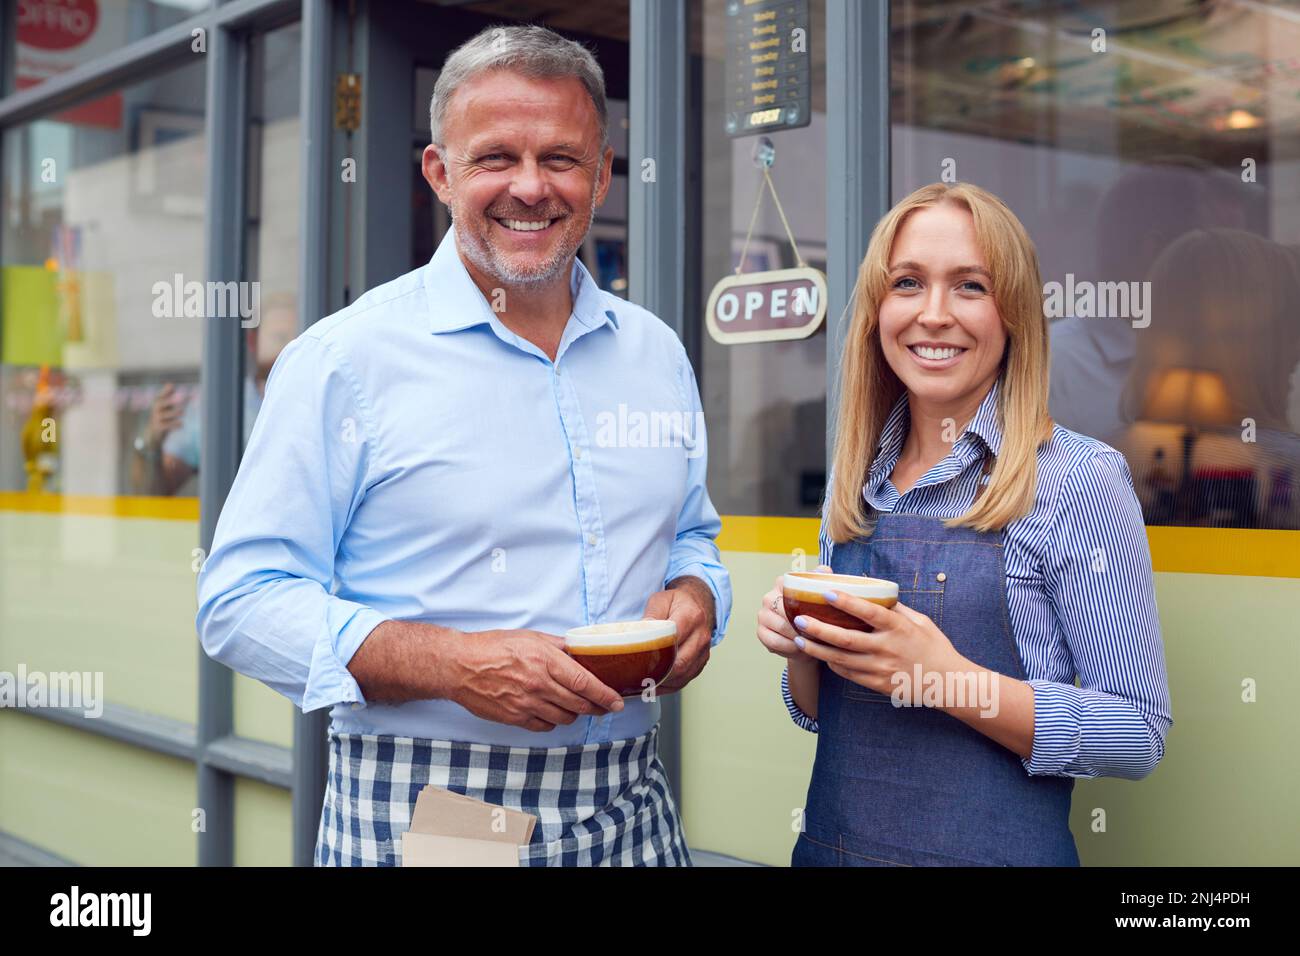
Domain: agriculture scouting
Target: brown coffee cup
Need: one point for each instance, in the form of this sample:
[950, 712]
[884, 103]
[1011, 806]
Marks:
[803, 593]
[627, 656]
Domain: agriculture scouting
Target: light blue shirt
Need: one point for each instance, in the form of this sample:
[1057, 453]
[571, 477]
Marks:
[416, 460]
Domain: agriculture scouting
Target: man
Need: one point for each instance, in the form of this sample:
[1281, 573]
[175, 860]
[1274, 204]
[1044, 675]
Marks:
[433, 491]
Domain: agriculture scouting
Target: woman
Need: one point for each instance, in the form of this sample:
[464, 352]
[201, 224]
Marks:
[1021, 559]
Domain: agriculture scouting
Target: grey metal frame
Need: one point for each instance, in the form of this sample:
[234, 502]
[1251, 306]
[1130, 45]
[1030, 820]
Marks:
[656, 215]
[227, 63]
[857, 163]
[218, 754]
[310, 754]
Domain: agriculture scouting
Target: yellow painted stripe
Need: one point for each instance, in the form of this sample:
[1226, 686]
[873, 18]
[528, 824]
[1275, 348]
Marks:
[1250, 552]
[769, 535]
[103, 506]
[1254, 552]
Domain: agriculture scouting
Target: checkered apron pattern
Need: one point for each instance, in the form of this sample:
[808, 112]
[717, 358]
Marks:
[603, 804]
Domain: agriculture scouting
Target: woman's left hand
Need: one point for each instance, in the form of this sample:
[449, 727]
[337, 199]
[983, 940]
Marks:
[901, 639]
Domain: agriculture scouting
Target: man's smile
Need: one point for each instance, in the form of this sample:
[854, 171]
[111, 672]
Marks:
[525, 225]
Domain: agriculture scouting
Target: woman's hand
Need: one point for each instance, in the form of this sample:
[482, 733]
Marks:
[774, 629]
[901, 639]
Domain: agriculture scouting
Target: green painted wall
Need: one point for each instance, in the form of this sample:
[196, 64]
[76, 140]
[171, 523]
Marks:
[1224, 793]
[261, 713]
[117, 595]
[103, 594]
[92, 800]
[263, 835]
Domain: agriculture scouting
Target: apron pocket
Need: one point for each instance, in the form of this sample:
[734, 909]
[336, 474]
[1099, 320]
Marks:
[925, 594]
[854, 691]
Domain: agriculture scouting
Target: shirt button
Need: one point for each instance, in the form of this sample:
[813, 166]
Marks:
[577, 451]
[941, 577]
[591, 540]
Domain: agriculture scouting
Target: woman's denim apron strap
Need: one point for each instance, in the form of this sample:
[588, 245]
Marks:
[911, 785]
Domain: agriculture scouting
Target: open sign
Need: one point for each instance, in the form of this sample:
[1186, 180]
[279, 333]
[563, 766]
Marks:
[767, 306]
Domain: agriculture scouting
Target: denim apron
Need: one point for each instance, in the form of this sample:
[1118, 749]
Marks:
[913, 786]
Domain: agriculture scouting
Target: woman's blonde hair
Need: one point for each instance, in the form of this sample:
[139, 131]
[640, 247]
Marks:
[869, 388]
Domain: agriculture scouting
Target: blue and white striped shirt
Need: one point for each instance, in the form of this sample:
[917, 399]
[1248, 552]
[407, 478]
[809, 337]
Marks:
[1080, 593]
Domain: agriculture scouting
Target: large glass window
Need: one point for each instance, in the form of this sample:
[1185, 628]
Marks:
[1152, 152]
[744, 764]
[271, 252]
[103, 230]
[765, 402]
[54, 36]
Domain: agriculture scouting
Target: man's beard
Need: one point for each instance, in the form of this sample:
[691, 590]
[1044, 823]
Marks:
[479, 249]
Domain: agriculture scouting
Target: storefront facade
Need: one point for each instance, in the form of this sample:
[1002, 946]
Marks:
[276, 142]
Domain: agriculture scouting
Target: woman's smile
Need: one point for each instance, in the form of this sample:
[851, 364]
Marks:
[936, 356]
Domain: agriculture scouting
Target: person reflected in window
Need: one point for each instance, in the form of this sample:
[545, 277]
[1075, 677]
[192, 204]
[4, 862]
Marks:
[951, 734]
[1228, 302]
[165, 453]
[1147, 208]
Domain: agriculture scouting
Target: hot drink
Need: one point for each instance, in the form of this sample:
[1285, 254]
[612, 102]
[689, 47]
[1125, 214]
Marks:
[802, 593]
[627, 657]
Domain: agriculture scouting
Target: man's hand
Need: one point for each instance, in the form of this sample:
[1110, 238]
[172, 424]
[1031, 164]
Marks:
[515, 677]
[523, 678]
[688, 602]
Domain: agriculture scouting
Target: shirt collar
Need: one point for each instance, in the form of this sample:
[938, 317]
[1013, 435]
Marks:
[891, 437]
[456, 303]
[984, 425]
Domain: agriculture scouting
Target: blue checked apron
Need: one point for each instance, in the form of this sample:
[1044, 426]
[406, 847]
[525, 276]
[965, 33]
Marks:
[605, 804]
[913, 786]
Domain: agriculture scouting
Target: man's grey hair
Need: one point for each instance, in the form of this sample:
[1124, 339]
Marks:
[532, 51]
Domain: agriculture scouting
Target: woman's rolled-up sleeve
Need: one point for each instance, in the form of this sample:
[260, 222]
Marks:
[797, 715]
[1099, 577]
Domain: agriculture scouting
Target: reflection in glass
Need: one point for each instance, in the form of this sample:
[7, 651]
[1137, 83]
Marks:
[98, 224]
[99, 534]
[272, 206]
[1150, 151]
[765, 402]
[54, 36]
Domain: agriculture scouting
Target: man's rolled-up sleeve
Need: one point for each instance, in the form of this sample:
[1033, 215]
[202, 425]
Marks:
[695, 551]
[266, 607]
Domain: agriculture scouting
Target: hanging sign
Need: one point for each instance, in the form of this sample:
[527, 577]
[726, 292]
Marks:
[770, 306]
[769, 77]
[767, 306]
